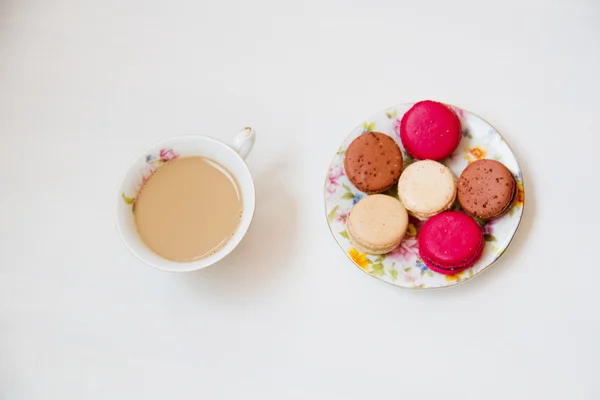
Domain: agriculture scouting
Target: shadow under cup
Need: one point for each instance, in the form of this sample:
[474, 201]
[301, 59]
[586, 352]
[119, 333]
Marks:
[152, 158]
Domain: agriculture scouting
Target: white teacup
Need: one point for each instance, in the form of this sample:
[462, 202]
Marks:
[230, 156]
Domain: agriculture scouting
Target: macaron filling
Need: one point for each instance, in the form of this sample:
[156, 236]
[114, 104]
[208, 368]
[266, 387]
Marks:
[454, 268]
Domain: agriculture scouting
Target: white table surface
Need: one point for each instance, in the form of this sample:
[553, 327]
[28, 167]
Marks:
[86, 85]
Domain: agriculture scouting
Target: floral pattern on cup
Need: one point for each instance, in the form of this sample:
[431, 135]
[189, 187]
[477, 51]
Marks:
[403, 266]
[153, 162]
[167, 155]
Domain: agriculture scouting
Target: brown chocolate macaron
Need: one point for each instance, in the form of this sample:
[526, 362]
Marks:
[487, 189]
[373, 162]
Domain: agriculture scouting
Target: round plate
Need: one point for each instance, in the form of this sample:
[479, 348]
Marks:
[404, 267]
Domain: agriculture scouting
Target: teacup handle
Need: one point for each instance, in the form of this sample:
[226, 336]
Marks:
[243, 142]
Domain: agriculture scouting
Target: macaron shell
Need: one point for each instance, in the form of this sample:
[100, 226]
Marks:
[377, 224]
[451, 240]
[430, 130]
[486, 189]
[373, 162]
[365, 247]
[509, 205]
[456, 268]
[427, 188]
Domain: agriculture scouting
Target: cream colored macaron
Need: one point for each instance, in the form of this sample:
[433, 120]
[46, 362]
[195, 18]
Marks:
[427, 188]
[377, 224]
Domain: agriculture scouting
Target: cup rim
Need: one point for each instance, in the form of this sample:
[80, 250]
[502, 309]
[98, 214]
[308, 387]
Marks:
[203, 262]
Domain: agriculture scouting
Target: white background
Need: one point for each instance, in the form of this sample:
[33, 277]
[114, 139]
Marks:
[86, 85]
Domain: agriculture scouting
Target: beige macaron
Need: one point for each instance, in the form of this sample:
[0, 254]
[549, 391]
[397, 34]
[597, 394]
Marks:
[377, 224]
[427, 188]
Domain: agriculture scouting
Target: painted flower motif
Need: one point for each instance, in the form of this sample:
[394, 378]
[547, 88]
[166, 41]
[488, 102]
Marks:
[391, 113]
[368, 126]
[128, 200]
[407, 252]
[421, 265]
[458, 111]
[332, 179]
[488, 228]
[359, 258]
[475, 153]
[411, 230]
[168, 154]
[149, 158]
[343, 216]
[520, 194]
[357, 197]
[457, 277]
[147, 173]
[397, 126]
[409, 278]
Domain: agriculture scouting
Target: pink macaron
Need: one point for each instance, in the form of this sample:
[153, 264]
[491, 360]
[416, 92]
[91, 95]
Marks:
[430, 131]
[450, 242]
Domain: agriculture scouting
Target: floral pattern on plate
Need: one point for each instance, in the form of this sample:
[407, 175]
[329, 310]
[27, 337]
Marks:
[403, 267]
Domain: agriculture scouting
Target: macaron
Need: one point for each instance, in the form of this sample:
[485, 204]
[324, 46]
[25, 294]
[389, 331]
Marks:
[377, 224]
[487, 189]
[373, 162]
[430, 130]
[427, 188]
[450, 242]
